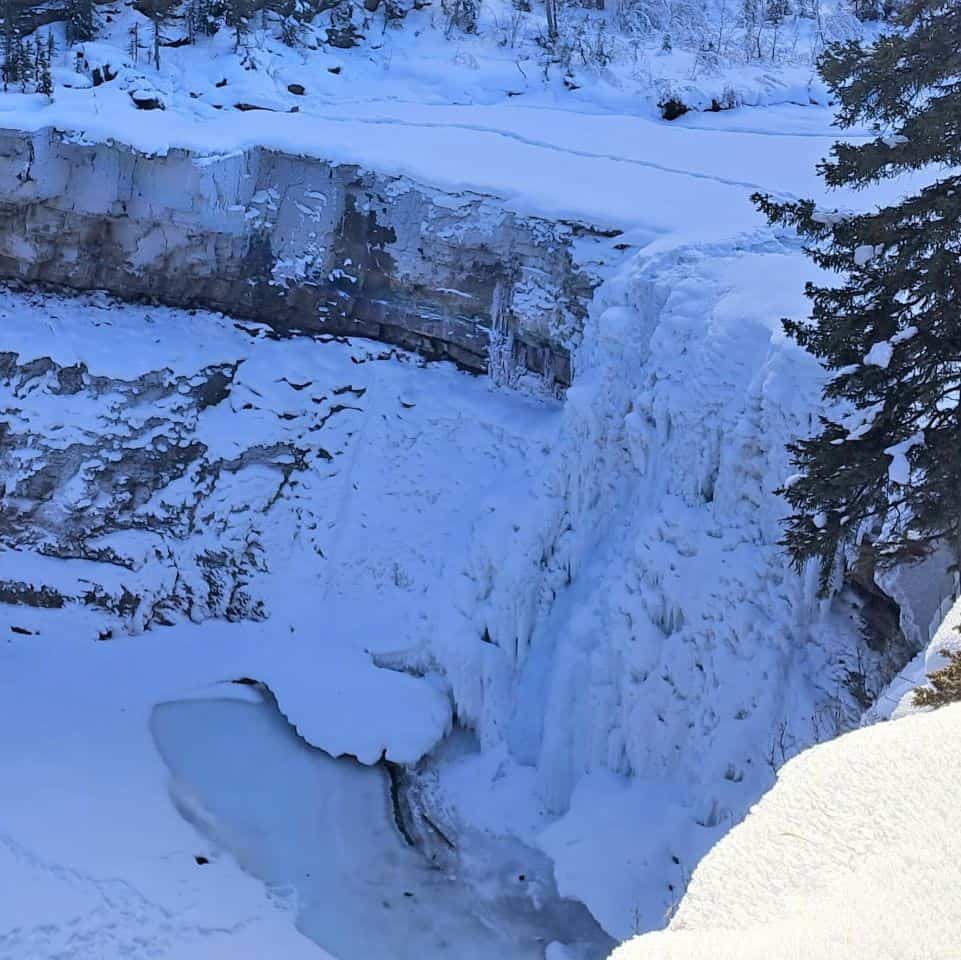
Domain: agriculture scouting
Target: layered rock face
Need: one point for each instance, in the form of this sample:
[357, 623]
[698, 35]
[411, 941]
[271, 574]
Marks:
[299, 243]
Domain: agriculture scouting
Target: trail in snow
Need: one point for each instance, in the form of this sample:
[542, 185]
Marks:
[550, 145]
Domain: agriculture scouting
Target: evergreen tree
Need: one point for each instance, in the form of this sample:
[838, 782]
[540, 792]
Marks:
[775, 13]
[237, 16]
[550, 7]
[462, 14]
[201, 19]
[10, 11]
[157, 11]
[887, 466]
[753, 21]
[875, 9]
[44, 77]
[133, 44]
[944, 685]
[79, 21]
[24, 65]
[292, 14]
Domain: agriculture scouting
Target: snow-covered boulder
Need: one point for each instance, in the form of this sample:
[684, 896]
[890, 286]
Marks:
[145, 98]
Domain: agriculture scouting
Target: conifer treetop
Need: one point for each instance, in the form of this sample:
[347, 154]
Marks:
[886, 464]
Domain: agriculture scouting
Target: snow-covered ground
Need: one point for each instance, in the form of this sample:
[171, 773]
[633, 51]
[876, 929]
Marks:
[571, 618]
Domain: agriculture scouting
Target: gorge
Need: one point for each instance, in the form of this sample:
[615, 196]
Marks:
[392, 440]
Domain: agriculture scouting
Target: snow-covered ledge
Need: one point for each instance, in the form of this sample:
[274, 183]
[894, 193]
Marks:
[297, 242]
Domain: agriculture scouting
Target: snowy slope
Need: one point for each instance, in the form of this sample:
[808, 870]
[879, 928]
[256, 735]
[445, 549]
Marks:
[354, 557]
[854, 854]
[633, 55]
[325, 476]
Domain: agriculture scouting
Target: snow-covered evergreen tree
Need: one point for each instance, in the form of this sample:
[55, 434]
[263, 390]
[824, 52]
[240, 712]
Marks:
[944, 685]
[201, 19]
[133, 43]
[24, 65]
[238, 14]
[44, 77]
[887, 466]
[157, 11]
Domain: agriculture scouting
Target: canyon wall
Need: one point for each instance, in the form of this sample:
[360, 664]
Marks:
[298, 243]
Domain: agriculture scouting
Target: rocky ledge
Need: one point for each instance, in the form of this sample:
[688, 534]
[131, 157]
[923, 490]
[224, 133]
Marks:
[299, 243]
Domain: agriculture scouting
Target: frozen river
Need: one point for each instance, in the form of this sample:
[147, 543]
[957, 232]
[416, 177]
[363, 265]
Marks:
[322, 830]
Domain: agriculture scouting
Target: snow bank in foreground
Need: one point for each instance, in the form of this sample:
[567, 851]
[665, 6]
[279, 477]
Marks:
[855, 854]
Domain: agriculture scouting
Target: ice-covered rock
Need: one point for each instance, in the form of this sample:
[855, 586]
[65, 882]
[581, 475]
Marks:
[646, 621]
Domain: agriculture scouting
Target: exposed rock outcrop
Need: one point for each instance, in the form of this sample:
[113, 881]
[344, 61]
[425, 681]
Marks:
[296, 242]
[79, 494]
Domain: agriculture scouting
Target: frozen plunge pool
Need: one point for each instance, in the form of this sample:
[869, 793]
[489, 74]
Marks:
[323, 830]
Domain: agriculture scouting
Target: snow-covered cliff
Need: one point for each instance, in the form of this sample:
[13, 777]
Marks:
[592, 588]
[298, 242]
[646, 623]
